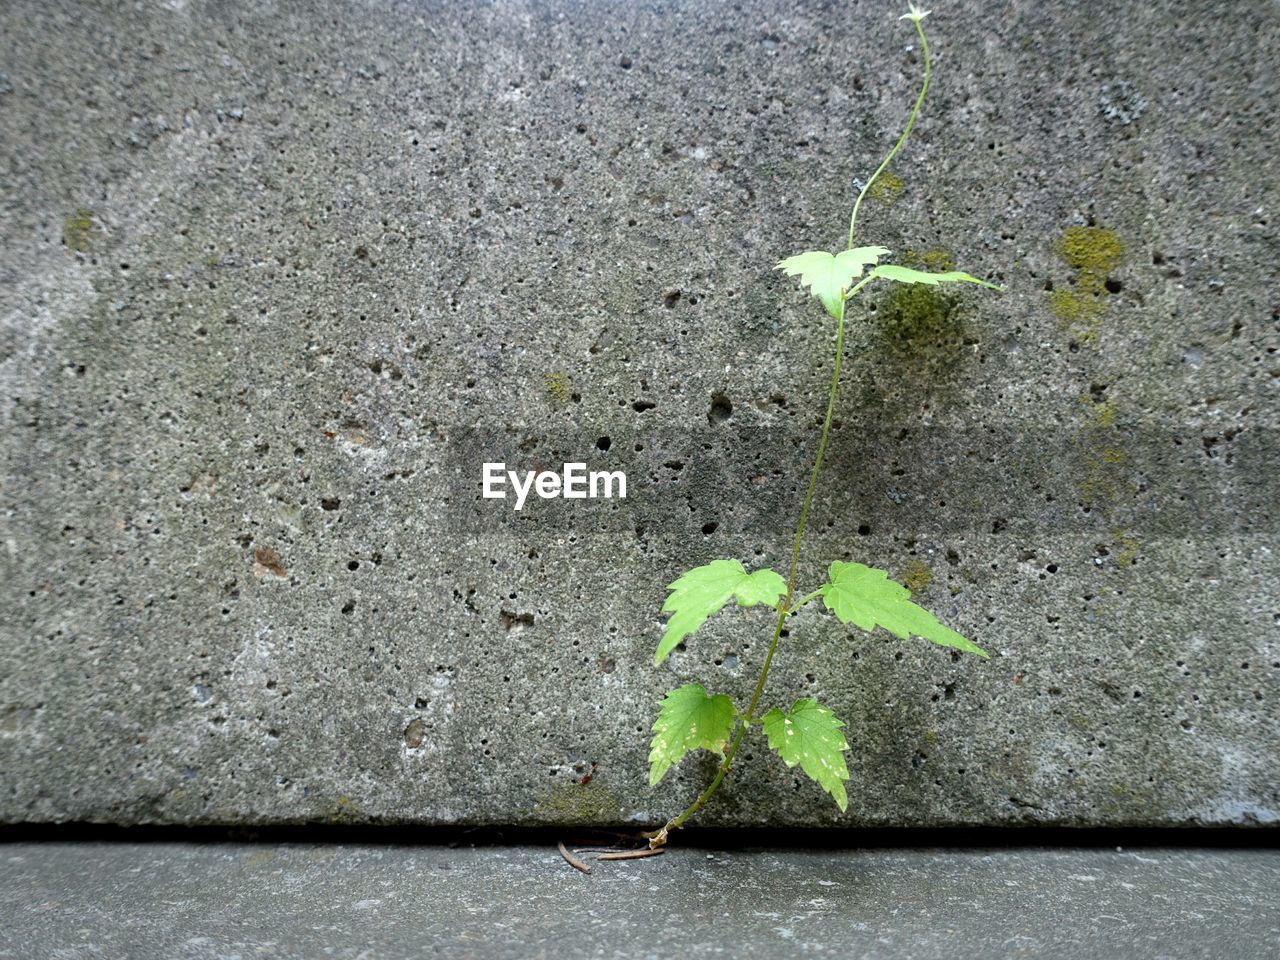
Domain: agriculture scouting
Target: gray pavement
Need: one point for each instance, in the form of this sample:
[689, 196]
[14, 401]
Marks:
[75, 901]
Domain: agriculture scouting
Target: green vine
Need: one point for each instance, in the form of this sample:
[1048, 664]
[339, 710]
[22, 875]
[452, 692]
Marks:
[808, 734]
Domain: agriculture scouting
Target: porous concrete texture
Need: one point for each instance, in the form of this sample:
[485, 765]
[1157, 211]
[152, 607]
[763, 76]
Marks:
[277, 278]
[78, 901]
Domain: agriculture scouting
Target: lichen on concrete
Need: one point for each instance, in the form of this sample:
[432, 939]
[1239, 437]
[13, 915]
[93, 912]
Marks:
[578, 803]
[559, 385]
[915, 575]
[1093, 252]
[78, 231]
[887, 188]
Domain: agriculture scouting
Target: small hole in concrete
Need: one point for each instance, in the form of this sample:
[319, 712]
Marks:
[721, 409]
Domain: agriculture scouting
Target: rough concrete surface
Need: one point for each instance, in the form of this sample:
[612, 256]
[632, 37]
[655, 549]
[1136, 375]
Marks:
[276, 278]
[191, 901]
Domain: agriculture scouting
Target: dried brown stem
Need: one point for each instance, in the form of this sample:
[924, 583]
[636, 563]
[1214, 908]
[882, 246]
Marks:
[573, 861]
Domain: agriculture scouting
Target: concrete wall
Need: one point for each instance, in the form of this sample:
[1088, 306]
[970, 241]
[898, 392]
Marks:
[277, 278]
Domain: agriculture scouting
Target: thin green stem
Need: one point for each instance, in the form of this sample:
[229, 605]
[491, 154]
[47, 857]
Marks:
[785, 608]
[911, 122]
[675, 823]
[822, 449]
[801, 602]
[764, 671]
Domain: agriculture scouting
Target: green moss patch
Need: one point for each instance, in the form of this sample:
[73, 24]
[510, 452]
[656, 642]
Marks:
[1093, 252]
[887, 187]
[915, 575]
[79, 231]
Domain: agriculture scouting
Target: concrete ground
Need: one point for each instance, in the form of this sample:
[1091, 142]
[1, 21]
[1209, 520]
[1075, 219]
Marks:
[74, 900]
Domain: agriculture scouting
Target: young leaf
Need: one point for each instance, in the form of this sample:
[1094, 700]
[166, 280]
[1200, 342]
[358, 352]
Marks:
[689, 719]
[867, 598]
[891, 271]
[810, 736]
[916, 14]
[704, 590]
[829, 276]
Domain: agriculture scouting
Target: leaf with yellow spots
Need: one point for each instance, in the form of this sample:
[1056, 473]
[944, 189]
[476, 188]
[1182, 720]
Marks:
[809, 734]
[690, 718]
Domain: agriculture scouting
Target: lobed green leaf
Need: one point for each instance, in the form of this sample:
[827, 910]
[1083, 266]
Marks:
[704, 590]
[689, 718]
[828, 276]
[809, 734]
[891, 271]
[867, 598]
